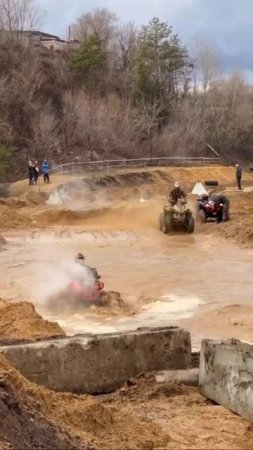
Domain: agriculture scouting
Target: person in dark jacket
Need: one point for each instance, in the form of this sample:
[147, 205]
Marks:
[222, 203]
[36, 171]
[80, 259]
[176, 194]
[239, 176]
[45, 171]
[30, 172]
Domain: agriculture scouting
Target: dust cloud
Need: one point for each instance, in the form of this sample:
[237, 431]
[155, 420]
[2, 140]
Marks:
[54, 276]
[78, 197]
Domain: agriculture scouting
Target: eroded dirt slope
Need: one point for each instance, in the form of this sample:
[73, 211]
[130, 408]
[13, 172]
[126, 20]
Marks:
[240, 226]
[34, 417]
[20, 322]
[142, 415]
[189, 420]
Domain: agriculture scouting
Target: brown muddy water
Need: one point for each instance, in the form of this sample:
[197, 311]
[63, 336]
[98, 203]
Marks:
[164, 280]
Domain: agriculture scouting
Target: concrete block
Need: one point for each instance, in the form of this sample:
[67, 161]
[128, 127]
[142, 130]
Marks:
[95, 364]
[190, 377]
[226, 374]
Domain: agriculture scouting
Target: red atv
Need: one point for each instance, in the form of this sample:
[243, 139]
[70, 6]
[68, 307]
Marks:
[77, 296]
[89, 294]
[209, 210]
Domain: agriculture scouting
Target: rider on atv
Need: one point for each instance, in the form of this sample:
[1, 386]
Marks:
[217, 205]
[80, 259]
[176, 194]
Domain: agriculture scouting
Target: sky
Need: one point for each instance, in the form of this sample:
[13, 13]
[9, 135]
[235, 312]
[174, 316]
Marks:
[226, 23]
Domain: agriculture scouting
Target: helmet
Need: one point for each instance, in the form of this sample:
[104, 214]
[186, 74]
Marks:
[176, 184]
[80, 257]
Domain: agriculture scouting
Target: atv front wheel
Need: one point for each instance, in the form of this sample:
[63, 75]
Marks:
[190, 225]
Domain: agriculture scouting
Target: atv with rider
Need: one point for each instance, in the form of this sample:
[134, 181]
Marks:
[177, 217]
[84, 289]
[213, 208]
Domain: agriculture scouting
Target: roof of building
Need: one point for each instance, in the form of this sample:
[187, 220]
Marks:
[41, 34]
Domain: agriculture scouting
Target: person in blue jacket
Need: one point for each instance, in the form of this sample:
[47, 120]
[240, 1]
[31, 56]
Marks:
[45, 171]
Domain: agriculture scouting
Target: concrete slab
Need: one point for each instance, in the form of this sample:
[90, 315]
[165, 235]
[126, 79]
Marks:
[226, 374]
[190, 377]
[95, 364]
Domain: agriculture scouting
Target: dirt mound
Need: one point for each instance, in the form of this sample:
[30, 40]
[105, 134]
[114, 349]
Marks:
[34, 417]
[66, 216]
[22, 423]
[155, 178]
[188, 419]
[101, 425]
[144, 388]
[113, 299]
[12, 218]
[240, 226]
[12, 202]
[33, 198]
[20, 322]
[30, 198]
[110, 303]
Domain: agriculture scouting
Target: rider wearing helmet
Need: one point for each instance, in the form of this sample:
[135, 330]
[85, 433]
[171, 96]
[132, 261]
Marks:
[80, 259]
[204, 198]
[176, 194]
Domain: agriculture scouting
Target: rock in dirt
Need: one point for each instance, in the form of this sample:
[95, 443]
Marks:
[113, 299]
[20, 322]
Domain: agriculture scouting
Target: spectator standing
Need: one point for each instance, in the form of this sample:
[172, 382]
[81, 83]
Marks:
[36, 172]
[45, 171]
[239, 176]
[30, 172]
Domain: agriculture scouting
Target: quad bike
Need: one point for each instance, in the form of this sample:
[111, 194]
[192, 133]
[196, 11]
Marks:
[177, 216]
[209, 210]
[77, 295]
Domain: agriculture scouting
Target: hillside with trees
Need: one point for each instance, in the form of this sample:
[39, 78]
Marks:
[126, 92]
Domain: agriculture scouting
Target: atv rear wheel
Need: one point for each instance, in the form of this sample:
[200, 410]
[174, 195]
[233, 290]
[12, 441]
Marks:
[190, 225]
[162, 223]
[169, 223]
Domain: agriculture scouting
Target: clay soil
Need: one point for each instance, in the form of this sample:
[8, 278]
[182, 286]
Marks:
[20, 322]
[240, 227]
[143, 414]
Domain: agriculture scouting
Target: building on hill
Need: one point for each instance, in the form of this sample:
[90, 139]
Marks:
[49, 41]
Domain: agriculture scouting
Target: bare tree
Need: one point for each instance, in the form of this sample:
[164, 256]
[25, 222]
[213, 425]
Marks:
[101, 22]
[17, 16]
[207, 63]
[127, 35]
[46, 138]
[230, 115]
